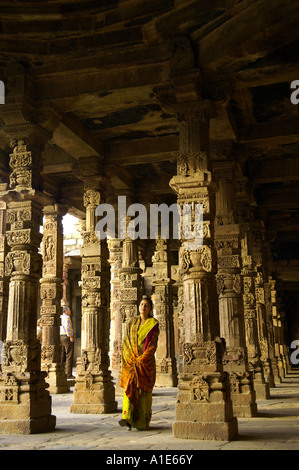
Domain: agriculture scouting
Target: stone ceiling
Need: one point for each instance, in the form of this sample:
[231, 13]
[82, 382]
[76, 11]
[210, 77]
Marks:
[97, 63]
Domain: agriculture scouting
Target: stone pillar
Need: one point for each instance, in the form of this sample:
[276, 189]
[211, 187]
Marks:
[163, 304]
[181, 326]
[277, 332]
[94, 391]
[65, 285]
[229, 286]
[248, 273]
[204, 407]
[271, 312]
[284, 349]
[3, 278]
[25, 403]
[115, 249]
[51, 295]
[130, 282]
[262, 322]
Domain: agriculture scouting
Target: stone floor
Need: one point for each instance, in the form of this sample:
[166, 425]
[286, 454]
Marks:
[275, 428]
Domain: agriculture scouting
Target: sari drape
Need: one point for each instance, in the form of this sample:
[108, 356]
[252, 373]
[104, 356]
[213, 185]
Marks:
[138, 371]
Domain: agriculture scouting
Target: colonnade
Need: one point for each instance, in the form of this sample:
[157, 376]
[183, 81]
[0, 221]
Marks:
[231, 339]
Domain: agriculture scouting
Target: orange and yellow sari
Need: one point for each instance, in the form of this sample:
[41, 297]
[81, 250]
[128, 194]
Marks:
[138, 373]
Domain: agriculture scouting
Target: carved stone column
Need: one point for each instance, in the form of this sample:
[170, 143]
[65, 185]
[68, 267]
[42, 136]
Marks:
[51, 294]
[273, 307]
[263, 325]
[94, 391]
[65, 285]
[116, 251]
[204, 407]
[248, 273]
[284, 349]
[229, 286]
[25, 403]
[162, 284]
[181, 326]
[3, 280]
[3, 277]
[130, 281]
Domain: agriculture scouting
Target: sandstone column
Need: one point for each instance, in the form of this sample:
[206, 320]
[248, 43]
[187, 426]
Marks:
[229, 284]
[162, 284]
[284, 349]
[130, 281]
[248, 273]
[181, 326]
[51, 295]
[270, 293]
[204, 407]
[263, 325]
[65, 284]
[115, 249]
[276, 326]
[3, 278]
[94, 391]
[25, 404]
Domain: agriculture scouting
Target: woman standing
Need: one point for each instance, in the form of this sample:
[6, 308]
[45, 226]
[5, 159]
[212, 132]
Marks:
[138, 373]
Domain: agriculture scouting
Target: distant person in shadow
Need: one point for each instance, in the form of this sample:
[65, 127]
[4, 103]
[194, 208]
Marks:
[67, 342]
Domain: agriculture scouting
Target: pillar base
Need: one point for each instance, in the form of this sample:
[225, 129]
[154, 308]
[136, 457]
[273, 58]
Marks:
[93, 394]
[166, 380]
[262, 390]
[204, 409]
[210, 425]
[88, 408]
[242, 394]
[206, 431]
[25, 405]
[244, 406]
[28, 426]
[56, 378]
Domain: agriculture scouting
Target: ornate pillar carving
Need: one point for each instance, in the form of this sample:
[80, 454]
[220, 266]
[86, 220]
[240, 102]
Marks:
[262, 321]
[204, 407]
[181, 326]
[248, 273]
[25, 403]
[130, 280]
[94, 391]
[229, 286]
[3, 278]
[284, 349]
[116, 251]
[65, 285]
[272, 328]
[163, 303]
[51, 295]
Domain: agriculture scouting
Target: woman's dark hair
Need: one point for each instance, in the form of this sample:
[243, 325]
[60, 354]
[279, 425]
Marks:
[147, 297]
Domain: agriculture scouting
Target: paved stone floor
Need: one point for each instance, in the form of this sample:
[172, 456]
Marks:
[275, 428]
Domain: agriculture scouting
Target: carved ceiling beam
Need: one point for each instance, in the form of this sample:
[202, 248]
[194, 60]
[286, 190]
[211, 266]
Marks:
[249, 34]
[73, 138]
[282, 131]
[99, 80]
